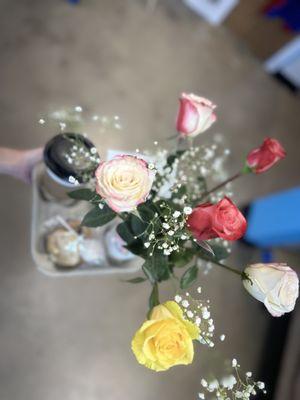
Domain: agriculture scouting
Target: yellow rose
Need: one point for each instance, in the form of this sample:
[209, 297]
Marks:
[166, 339]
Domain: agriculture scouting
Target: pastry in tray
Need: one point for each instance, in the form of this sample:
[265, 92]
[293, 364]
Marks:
[70, 245]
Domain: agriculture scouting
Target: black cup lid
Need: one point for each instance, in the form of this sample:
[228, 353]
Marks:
[70, 154]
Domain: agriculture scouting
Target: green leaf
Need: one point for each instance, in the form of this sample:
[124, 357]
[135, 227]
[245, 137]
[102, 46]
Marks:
[189, 277]
[154, 299]
[148, 272]
[138, 227]
[97, 217]
[147, 211]
[182, 258]
[137, 248]
[138, 279]
[172, 157]
[156, 267]
[84, 194]
[125, 232]
[221, 253]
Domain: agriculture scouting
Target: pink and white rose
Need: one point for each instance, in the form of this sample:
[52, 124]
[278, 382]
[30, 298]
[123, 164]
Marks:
[124, 182]
[195, 115]
[275, 285]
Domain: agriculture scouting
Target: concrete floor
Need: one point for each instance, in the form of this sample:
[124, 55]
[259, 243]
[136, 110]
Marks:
[70, 338]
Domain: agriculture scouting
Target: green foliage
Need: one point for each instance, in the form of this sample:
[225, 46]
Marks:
[189, 277]
[182, 258]
[137, 248]
[125, 232]
[172, 157]
[154, 297]
[156, 267]
[138, 279]
[220, 252]
[85, 195]
[132, 231]
[147, 211]
[98, 217]
[138, 227]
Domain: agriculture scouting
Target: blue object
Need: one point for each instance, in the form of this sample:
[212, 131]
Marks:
[275, 220]
[266, 256]
[288, 10]
[74, 1]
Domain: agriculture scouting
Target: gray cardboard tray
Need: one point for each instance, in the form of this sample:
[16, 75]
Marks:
[43, 220]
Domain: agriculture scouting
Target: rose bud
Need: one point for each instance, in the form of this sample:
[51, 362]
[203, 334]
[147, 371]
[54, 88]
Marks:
[275, 285]
[264, 157]
[224, 220]
[195, 115]
[124, 182]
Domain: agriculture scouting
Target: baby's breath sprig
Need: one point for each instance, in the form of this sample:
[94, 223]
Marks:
[167, 230]
[85, 160]
[232, 387]
[198, 312]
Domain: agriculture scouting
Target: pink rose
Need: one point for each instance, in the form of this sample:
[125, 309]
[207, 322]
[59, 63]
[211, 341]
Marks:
[275, 285]
[195, 115]
[265, 156]
[224, 220]
[124, 182]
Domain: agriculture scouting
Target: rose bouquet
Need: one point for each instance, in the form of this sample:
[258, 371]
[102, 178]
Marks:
[169, 217]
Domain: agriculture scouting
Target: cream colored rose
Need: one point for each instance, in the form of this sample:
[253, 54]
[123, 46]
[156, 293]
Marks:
[124, 182]
[275, 285]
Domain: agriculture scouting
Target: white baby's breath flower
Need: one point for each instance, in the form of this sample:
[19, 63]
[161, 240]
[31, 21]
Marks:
[178, 298]
[222, 337]
[176, 214]
[185, 303]
[93, 150]
[203, 382]
[205, 314]
[187, 210]
[260, 385]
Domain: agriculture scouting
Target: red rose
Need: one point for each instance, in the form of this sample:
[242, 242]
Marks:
[224, 220]
[265, 156]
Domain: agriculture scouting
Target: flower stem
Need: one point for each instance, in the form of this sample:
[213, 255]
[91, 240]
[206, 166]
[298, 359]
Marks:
[235, 271]
[232, 178]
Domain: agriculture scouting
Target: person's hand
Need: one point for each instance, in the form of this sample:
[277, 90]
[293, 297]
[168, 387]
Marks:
[19, 163]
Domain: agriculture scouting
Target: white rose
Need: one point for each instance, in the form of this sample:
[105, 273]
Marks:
[275, 285]
[124, 182]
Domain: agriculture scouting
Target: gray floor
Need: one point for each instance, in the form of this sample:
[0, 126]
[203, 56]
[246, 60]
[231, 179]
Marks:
[69, 338]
